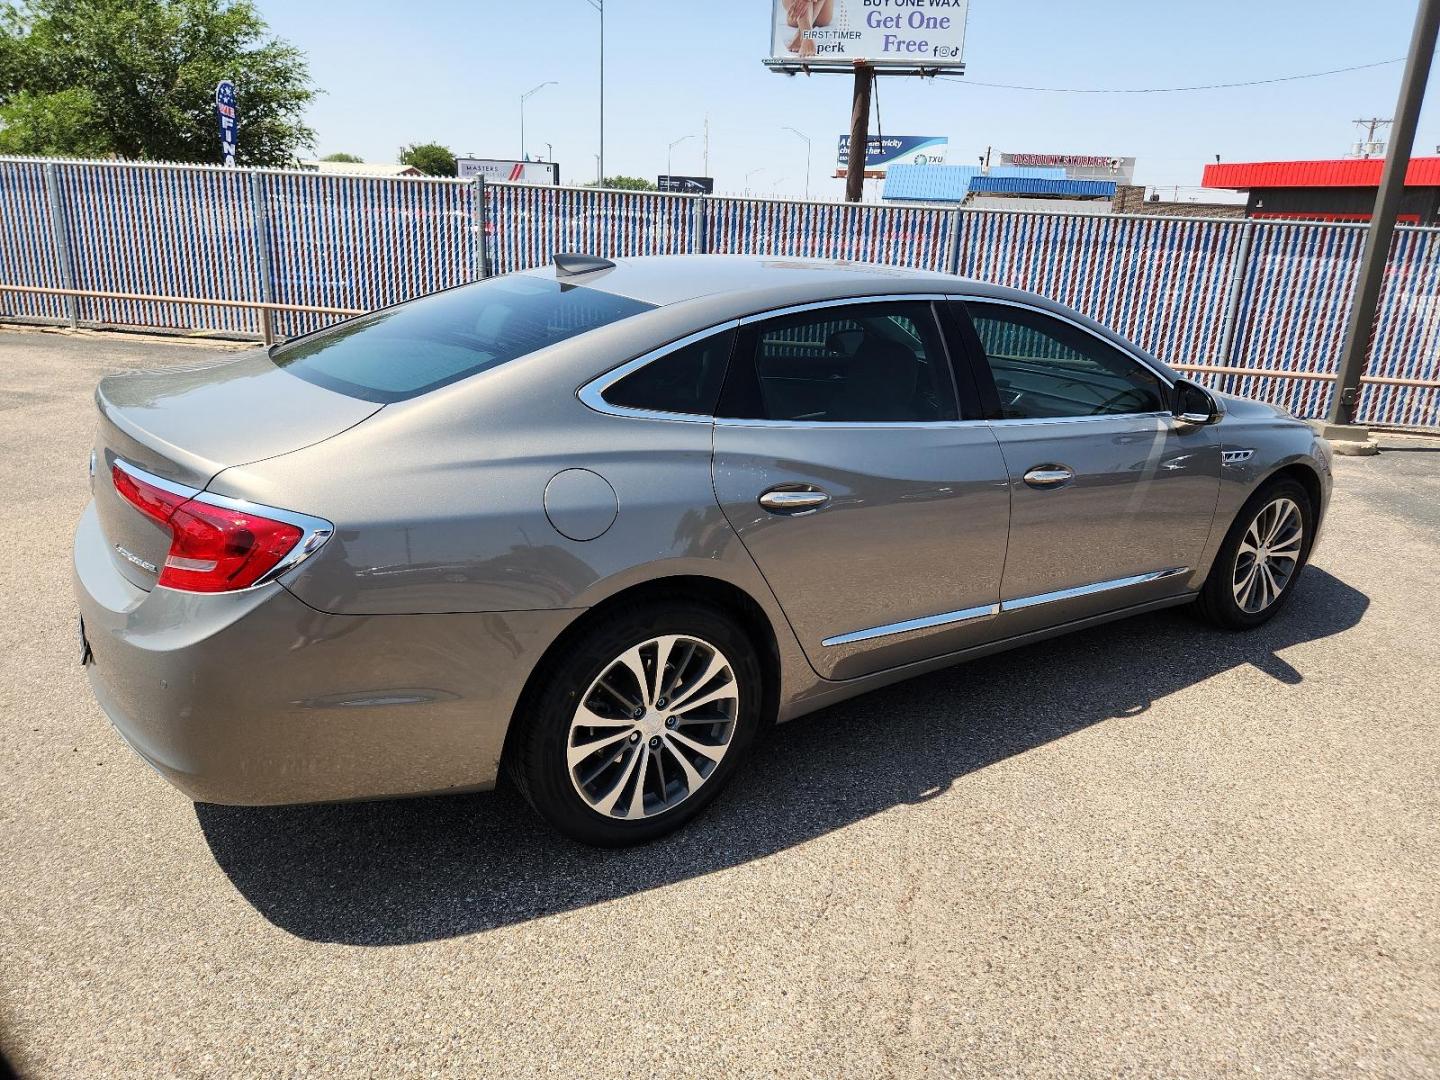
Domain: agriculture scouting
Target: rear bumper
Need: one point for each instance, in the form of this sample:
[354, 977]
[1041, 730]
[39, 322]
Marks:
[254, 698]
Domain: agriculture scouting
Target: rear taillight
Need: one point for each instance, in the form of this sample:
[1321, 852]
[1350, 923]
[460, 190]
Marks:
[213, 547]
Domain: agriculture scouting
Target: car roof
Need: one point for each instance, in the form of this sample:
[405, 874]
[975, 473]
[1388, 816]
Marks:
[709, 289]
[663, 280]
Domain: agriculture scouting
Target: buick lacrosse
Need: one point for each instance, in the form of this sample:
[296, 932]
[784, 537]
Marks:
[597, 524]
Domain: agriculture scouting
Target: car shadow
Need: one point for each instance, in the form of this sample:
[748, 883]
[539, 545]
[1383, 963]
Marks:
[406, 871]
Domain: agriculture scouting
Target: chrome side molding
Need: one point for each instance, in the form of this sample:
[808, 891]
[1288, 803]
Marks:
[950, 618]
[1090, 590]
[966, 615]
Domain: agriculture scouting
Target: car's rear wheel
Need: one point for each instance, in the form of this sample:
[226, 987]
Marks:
[1261, 558]
[638, 723]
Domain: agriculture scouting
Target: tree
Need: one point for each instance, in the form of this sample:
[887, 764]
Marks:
[136, 78]
[349, 159]
[625, 183]
[432, 159]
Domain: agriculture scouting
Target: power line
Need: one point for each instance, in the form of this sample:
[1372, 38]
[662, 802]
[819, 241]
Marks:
[1168, 89]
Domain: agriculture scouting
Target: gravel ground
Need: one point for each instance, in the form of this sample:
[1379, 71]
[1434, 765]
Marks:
[1147, 849]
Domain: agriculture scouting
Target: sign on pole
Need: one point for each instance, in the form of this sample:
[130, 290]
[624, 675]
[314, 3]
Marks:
[229, 120]
[900, 35]
[507, 170]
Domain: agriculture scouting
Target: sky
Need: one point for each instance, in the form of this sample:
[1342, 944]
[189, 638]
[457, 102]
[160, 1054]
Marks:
[453, 72]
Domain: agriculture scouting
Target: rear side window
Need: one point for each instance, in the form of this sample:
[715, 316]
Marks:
[687, 380]
[874, 362]
[414, 348]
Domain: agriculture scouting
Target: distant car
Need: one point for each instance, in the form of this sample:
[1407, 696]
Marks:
[598, 524]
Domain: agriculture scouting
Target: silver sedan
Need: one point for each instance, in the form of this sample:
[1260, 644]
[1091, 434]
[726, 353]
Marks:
[596, 525]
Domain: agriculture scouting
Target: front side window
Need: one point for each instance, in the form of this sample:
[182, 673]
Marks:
[1045, 367]
[686, 380]
[413, 348]
[860, 363]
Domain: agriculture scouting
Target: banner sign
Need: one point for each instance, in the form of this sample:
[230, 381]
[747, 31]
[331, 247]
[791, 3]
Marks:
[687, 185]
[920, 35]
[517, 172]
[229, 120]
[883, 151]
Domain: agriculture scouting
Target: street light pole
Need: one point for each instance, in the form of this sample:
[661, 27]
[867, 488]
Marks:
[670, 153]
[523, 98]
[749, 174]
[1345, 398]
[807, 158]
[599, 5]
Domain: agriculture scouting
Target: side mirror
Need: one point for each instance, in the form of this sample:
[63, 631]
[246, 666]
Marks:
[1191, 403]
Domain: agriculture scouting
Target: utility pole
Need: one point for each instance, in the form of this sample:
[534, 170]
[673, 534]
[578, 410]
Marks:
[860, 132]
[1370, 127]
[1345, 397]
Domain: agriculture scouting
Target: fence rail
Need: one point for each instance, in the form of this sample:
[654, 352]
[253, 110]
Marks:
[1259, 306]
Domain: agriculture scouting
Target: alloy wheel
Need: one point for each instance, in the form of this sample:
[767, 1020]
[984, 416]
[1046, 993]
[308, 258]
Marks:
[1269, 555]
[653, 727]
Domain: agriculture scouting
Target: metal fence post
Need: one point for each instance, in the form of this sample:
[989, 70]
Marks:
[952, 258]
[60, 228]
[1228, 331]
[699, 232]
[482, 238]
[260, 212]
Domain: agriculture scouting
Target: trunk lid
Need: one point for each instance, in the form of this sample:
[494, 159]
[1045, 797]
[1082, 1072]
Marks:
[186, 426]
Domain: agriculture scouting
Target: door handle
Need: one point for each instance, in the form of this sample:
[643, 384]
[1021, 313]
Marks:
[793, 500]
[1049, 476]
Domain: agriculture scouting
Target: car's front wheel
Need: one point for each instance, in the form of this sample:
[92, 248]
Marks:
[639, 722]
[1261, 558]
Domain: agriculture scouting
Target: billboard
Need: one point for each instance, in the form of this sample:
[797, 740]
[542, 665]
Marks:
[520, 172]
[686, 185]
[1079, 166]
[882, 151]
[912, 35]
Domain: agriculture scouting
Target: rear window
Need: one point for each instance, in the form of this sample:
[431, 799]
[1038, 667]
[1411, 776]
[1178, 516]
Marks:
[414, 348]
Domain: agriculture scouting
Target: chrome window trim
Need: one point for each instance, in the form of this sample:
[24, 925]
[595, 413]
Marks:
[949, 618]
[987, 611]
[315, 531]
[592, 394]
[1024, 602]
[1124, 350]
[1027, 421]
[845, 301]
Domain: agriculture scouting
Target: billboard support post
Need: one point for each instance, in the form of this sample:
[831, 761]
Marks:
[859, 132]
[1345, 398]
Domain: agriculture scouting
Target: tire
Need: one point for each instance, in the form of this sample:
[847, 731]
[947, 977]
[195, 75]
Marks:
[684, 757]
[1235, 598]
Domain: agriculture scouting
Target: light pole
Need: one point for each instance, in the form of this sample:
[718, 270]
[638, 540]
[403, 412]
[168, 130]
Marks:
[523, 98]
[599, 5]
[549, 152]
[670, 153]
[776, 186]
[749, 174]
[807, 158]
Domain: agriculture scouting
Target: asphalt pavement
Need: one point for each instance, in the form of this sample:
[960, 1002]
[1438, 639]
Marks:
[1149, 849]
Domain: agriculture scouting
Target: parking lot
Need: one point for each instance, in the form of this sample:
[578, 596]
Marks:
[1148, 849]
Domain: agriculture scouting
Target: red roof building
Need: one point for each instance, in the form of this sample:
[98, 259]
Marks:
[1339, 190]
